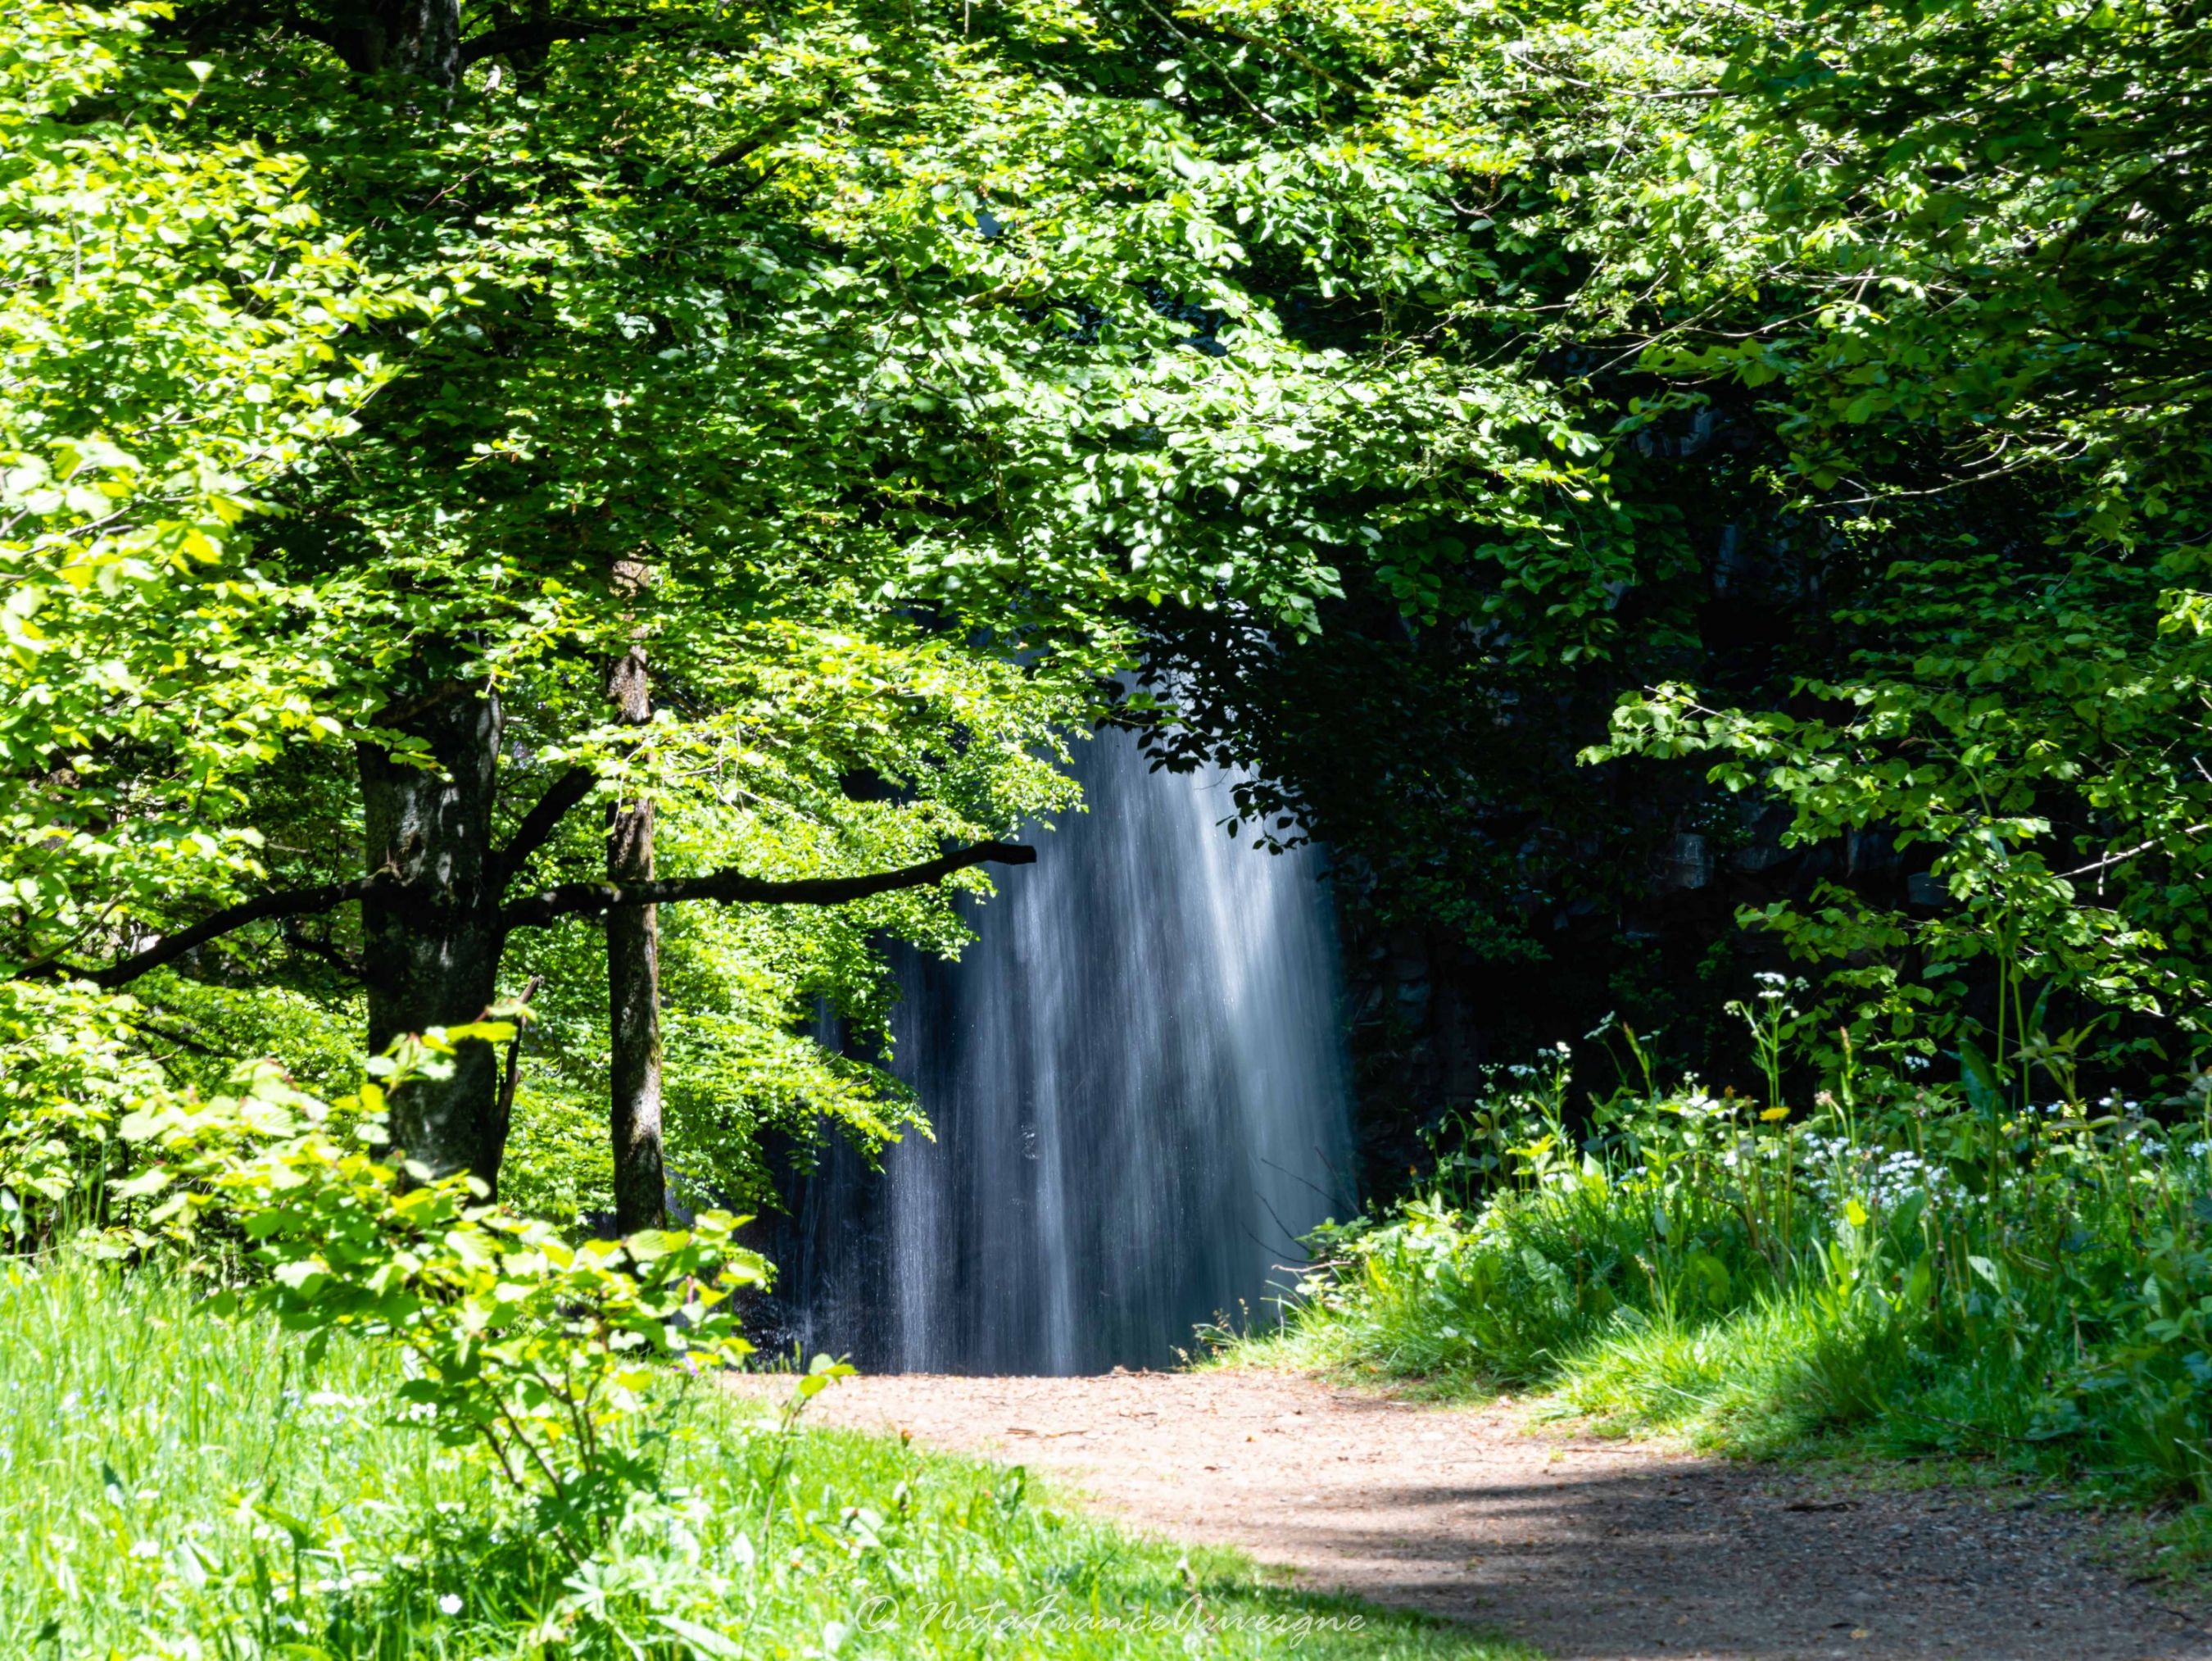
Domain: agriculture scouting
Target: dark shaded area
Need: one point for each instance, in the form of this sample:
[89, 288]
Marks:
[1497, 895]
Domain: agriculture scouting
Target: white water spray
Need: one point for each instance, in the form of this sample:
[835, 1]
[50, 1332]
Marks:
[1137, 1081]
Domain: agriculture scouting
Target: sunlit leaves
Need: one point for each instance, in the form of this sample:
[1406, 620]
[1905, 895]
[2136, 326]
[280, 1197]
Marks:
[539, 1353]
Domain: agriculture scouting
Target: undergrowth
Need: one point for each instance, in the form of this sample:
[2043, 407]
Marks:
[177, 1484]
[1902, 1270]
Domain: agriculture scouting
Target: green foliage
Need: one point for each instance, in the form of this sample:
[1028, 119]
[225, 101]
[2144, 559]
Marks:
[920, 361]
[1898, 1264]
[180, 1486]
[68, 1075]
[1878, 338]
[179, 328]
[872, 370]
[1970, 298]
[539, 1351]
[951, 747]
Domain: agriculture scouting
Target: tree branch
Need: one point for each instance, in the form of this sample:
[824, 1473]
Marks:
[510, 1081]
[2127, 854]
[300, 940]
[537, 36]
[542, 820]
[595, 899]
[767, 133]
[179, 1039]
[572, 899]
[291, 903]
[200, 31]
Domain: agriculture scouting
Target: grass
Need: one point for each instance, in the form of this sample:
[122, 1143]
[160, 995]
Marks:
[174, 1485]
[1913, 1278]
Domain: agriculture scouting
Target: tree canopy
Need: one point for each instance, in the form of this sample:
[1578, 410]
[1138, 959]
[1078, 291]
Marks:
[473, 478]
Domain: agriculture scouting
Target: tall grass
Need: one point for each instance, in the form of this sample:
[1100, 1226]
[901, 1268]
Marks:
[1963, 1271]
[174, 1485]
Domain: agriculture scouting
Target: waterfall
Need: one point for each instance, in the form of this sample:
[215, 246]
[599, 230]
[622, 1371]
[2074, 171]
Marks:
[1137, 1083]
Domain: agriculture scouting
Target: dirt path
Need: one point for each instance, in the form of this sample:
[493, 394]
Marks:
[1592, 1551]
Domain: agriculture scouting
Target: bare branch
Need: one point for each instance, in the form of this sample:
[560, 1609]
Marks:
[537, 36]
[766, 135]
[542, 820]
[574, 899]
[290, 903]
[595, 899]
[300, 940]
[2127, 854]
[510, 1080]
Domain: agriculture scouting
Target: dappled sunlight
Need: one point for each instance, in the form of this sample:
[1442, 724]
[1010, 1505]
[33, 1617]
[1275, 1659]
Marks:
[1594, 1550]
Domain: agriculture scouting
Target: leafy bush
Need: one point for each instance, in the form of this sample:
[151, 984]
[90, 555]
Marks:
[539, 1352]
[67, 1074]
[1959, 1270]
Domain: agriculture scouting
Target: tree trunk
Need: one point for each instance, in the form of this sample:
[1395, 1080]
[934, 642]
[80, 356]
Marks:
[413, 37]
[503, 1113]
[634, 987]
[431, 942]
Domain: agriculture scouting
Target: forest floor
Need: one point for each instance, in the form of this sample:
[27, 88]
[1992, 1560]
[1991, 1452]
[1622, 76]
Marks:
[1589, 1550]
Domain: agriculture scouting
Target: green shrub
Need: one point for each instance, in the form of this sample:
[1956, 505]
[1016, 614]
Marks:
[1958, 1271]
[537, 1351]
[68, 1074]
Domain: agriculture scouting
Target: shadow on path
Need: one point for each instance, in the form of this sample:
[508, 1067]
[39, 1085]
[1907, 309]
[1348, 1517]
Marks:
[1592, 1550]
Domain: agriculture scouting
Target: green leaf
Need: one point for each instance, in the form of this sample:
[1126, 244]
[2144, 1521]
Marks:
[700, 1641]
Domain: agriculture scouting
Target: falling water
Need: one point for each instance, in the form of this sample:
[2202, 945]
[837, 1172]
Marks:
[1137, 1083]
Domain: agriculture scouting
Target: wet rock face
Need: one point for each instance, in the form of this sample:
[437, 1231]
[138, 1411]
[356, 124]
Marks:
[1418, 1037]
[1686, 862]
[1432, 1010]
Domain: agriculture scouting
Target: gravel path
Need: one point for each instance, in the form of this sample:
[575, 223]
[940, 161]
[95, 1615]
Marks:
[1592, 1550]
